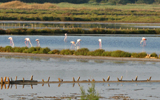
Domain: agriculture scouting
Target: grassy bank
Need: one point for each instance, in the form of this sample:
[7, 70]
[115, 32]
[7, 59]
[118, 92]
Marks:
[16, 10]
[82, 51]
[46, 31]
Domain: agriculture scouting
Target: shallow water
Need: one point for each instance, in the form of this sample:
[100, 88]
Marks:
[42, 68]
[130, 43]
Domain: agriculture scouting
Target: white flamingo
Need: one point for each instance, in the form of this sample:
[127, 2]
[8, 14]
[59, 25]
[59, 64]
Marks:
[78, 42]
[100, 43]
[65, 38]
[11, 41]
[143, 41]
[73, 44]
[28, 41]
[38, 44]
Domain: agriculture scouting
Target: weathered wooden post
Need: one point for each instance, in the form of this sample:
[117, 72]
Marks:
[43, 80]
[78, 78]
[8, 80]
[88, 80]
[23, 79]
[108, 78]
[31, 77]
[93, 80]
[59, 79]
[48, 79]
[121, 78]
[4, 79]
[103, 80]
[117, 79]
[16, 78]
[73, 84]
[73, 79]
[1, 80]
[136, 78]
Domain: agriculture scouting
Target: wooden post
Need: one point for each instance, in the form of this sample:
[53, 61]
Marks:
[136, 78]
[59, 85]
[8, 80]
[93, 80]
[103, 80]
[78, 78]
[4, 79]
[108, 78]
[15, 78]
[4, 86]
[59, 79]
[1, 80]
[73, 79]
[1, 86]
[121, 78]
[88, 80]
[31, 86]
[149, 78]
[48, 79]
[23, 86]
[42, 80]
[23, 79]
[117, 79]
[32, 77]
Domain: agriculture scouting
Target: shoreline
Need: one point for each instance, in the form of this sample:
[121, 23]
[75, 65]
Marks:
[78, 57]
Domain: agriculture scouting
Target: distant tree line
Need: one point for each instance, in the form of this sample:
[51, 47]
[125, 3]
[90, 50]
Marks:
[91, 1]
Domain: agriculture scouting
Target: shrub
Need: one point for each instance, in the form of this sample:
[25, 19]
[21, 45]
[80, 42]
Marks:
[98, 52]
[91, 95]
[8, 49]
[67, 52]
[44, 50]
[154, 55]
[54, 52]
[90, 53]
[139, 55]
[37, 48]
[17, 49]
[107, 53]
[35, 52]
[119, 53]
[2, 49]
[31, 49]
[82, 51]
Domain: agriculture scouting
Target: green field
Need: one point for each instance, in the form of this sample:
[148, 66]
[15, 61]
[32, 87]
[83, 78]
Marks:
[16, 10]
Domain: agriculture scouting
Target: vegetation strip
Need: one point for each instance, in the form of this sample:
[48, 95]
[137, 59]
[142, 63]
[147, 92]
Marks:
[46, 31]
[82, 53]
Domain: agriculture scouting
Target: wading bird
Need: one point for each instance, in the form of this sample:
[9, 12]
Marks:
[73, 44]
[65, 38]
[38, 44]
[28, 41]
[78, 43]
[100, 43]
[143, 41]
[11, 41]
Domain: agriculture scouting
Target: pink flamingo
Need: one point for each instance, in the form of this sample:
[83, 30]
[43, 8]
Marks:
[38, 44]
[73, 44]
[65, 38]
[100, 43]
[143, 41]
[78, 42]
[11, 41]
[28, 41]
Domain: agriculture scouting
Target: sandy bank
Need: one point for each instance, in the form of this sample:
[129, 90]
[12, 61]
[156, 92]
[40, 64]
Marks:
[78, 57]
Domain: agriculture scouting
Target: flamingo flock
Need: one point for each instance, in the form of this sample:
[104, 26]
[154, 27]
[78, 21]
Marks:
[73, 44]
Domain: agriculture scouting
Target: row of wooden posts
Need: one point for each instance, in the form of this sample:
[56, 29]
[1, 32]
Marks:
[7, 80]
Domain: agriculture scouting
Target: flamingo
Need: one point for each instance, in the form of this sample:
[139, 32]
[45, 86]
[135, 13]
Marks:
[100, 43]
[38, 44]
[78, 42]
[27, 40]
[65, 38]
[11, 41]
[73, 44]
[143, 41]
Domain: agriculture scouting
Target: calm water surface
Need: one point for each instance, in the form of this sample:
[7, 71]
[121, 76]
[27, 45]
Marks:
[130, 43]
[42, 68]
